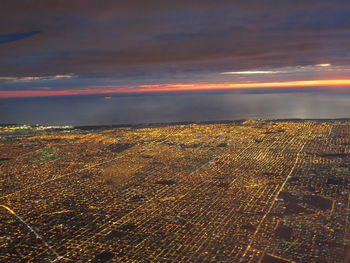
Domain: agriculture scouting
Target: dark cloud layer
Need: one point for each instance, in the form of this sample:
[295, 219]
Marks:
[152, 37]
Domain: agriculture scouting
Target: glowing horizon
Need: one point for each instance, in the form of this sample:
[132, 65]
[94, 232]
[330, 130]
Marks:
[173, 87]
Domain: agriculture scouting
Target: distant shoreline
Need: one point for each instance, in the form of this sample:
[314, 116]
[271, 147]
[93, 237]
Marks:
[163, 124]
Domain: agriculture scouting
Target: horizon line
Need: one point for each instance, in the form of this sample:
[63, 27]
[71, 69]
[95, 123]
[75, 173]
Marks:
[146, 88]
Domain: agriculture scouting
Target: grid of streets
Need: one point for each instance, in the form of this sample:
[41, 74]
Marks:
[253, 191]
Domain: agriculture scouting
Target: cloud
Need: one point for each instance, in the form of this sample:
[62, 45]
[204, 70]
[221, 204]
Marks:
[286, 70]
[37, 78]
[251, 72]
[158, 37]
[323, 65]
[4, 38]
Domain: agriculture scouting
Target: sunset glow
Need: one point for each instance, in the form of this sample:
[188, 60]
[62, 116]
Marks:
[306, 83]
[174, 87]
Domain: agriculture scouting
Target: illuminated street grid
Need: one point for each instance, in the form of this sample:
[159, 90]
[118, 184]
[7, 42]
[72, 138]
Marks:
[253, 191]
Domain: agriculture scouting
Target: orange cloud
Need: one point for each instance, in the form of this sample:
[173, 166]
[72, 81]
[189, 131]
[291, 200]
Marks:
[46, 93]
[174, 87]
[34, 93]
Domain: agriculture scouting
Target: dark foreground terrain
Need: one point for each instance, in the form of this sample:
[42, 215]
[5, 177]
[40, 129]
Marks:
[253, 191]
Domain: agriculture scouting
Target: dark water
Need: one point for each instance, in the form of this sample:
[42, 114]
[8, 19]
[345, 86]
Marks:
[174, 107]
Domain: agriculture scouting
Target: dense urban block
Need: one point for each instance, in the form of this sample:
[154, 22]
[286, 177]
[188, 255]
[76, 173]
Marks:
[247, 191]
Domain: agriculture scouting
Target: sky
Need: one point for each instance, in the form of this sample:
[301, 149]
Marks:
[59, 47]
